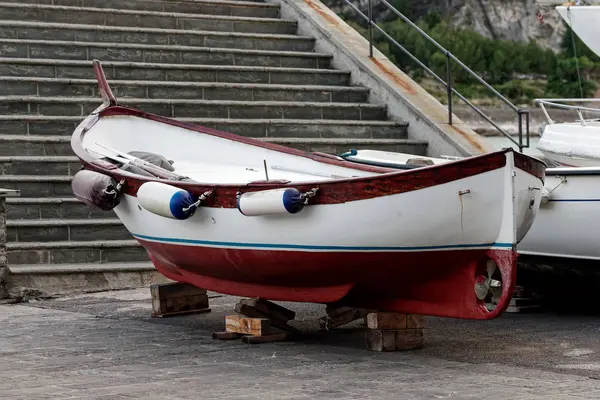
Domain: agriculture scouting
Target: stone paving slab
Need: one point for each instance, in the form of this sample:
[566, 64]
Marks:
[106, 346]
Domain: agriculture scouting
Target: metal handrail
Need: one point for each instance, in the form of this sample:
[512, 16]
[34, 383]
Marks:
[554, 103]
[448, 83]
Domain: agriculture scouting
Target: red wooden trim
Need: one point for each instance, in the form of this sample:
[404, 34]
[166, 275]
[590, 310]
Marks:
[531, 165]
[103, 86]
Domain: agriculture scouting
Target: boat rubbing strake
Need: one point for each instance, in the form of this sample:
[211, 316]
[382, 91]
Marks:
[240, 216]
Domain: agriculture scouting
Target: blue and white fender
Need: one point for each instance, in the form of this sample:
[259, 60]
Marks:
[166, 200]
[273, 201]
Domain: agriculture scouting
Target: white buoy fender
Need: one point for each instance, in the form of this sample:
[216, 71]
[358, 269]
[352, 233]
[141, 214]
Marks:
[166, 200]
[273, 201]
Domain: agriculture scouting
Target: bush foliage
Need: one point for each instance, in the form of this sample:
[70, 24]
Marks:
[507, 65]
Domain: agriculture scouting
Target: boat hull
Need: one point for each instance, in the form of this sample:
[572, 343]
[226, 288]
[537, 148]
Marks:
[568, 225]
[386, 253]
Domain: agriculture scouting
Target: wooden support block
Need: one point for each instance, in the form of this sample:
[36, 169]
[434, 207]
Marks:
[247, 326]
[179, 305]
[226, 335]
[391, 320]
[269, 308]
[344, 317]
[160, 291]
[393, 340]
[277, 337]
[252, 312]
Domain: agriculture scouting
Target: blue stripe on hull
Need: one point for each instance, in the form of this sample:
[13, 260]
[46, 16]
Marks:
[283, 246]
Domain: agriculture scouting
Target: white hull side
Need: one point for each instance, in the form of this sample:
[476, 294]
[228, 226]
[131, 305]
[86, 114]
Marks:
[584, 20]
[571, 144]
[427, 219]
[569, 224]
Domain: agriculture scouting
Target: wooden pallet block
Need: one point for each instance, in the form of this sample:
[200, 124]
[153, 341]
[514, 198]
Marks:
[259, 308]
[173, 299]
[338, 316]
[249, 330]
[391, 320]
[393, 339]
[389, 331]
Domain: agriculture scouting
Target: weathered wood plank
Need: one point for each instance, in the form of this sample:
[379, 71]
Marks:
[391, 320]
[161, 291]
[247, 326]
[393, 340]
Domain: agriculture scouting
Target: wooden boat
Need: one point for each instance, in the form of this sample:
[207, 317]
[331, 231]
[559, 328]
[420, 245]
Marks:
[243, 217]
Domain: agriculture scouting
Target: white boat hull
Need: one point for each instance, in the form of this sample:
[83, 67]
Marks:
[568, 225]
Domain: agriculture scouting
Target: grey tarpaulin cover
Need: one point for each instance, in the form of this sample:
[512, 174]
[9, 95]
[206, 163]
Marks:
[96, 189]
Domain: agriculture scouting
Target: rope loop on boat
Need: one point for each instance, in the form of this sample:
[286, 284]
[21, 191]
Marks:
[306, 196]
[202, 197]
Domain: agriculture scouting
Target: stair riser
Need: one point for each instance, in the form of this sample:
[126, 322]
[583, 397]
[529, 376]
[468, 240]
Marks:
[166, 6]
[243, 129]
[33, 33]
[248, 110]
[164, 21]
[35, 128]
[39, 168]
[39, 189]
[58, 52]
[173, 92]
[69, 256]
[22, 148]
[55, 211]
[64, 233]
[176, 75]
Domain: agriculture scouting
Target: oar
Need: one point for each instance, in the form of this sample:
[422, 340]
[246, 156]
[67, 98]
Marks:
[125, 158]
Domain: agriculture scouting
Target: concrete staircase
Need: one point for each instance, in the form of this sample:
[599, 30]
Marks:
[230, 65]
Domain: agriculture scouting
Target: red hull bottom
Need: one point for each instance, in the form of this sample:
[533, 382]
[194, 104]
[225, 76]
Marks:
[439, 283]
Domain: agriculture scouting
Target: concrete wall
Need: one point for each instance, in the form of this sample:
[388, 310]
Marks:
[405, 99]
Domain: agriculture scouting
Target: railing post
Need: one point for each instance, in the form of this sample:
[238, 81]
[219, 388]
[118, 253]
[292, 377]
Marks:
[520, 119]
[449, 87]
[527, 127]
[370, 28]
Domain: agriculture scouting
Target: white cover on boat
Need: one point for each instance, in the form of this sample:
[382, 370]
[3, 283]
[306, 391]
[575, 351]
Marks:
[585, 22]
[572, 144]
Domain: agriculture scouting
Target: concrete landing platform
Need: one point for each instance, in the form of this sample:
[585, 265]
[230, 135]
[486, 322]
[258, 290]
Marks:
[107, 346]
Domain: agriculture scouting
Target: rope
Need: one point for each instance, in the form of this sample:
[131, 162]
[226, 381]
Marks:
[202, 197]
[308, 195]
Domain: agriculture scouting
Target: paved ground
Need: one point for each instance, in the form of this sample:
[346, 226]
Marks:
[106, 346]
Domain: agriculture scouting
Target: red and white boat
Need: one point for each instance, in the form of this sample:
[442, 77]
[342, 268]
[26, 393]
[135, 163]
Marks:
[243, 217]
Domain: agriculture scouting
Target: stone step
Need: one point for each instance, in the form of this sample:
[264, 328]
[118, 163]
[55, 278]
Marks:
[34, 145]
[116, 70]
[106, 51]
[39, 165]
[61, 279]
[183, 108]
[39, 185]
[36, 208]
[209, 7]
[23, 125]
[148, 19]
[122, 34]
[28, 86]
[53, 230]
[67, 252]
